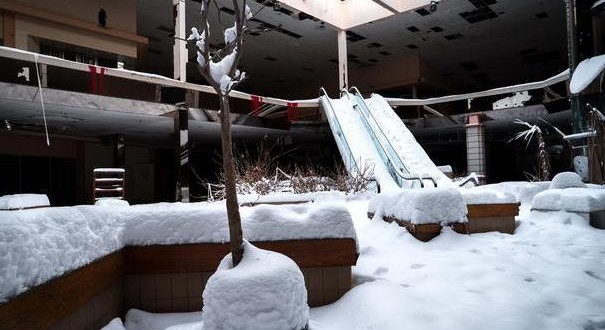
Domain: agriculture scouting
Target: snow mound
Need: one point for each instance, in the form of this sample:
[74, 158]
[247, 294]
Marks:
[115, 324]
[40, 244]
[317, 220]
[139, 320]
[289, 197]
[265, 291]
[487, 196]
[420, 206]
[586, 72]
[567, 180]
[570, 199]
[22, 201]
[107, 201]
[524, 191]
[176, 223]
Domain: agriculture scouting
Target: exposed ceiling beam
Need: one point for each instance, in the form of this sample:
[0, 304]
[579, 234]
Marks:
[386, 6]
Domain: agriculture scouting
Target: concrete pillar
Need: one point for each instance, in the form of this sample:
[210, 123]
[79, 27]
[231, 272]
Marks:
[415, 96]
[180, 43]
[181, 133]
[343, 70]
[475, 147]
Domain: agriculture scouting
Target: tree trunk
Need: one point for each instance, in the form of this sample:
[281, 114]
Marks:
[235, 223]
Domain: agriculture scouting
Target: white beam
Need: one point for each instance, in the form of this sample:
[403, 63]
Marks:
[343, 70]
[180, 45]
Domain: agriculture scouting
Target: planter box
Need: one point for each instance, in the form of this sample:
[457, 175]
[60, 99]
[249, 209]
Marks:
[595, 218]
[484, 218]
[164, 278]
[422, 232]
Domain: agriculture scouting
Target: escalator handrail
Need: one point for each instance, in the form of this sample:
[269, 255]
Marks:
[323, 92]
[398, 170]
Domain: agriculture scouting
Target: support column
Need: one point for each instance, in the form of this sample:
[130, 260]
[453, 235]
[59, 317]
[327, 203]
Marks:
[43, 75]
[343, 70]
[181, 133]
[475, 147]
[180, 43]
[577, 114]
[119, 151]
[415, 96]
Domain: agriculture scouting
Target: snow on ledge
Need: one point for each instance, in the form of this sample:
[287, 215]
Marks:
[23, 201]
[421, 206]
[570, 200]
[481, 196]
[176, 223]
[287, 197]
[586, 72]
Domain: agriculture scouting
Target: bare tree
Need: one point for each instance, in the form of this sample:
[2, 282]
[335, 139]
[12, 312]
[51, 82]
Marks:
[542, 157]
[220, 70]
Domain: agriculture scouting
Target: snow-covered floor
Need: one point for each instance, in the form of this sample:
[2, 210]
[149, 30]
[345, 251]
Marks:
[549, 275]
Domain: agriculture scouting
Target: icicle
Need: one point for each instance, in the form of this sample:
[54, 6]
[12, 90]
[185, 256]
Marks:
[41, 99]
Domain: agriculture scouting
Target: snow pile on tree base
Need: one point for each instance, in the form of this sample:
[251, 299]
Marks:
[421, 206]
[22, 201]
[567, 180]
[265, 291]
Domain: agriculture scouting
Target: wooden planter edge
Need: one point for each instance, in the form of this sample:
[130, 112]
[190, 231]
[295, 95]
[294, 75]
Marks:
[45, 304]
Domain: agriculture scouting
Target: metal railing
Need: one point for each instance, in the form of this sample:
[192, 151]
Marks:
[471, 177]
[350, 162]
[391, 159]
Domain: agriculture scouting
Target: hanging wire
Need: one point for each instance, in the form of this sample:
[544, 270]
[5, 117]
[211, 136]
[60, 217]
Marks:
[41, 99]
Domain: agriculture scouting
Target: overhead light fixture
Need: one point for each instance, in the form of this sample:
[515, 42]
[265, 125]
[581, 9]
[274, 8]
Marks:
[433, 5]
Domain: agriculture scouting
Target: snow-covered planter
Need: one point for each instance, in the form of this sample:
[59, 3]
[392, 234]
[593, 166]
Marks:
[422, 211]
[587, 202]
[488, 210]
[265, 291]
[167, 250]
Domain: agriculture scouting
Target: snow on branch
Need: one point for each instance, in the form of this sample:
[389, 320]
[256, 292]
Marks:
[220, 67]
